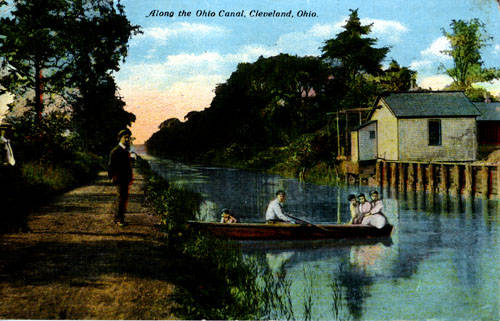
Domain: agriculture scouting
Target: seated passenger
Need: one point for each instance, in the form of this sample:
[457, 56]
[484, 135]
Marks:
[227, 216]
[375, 217]
[353, 208]
[364, 207]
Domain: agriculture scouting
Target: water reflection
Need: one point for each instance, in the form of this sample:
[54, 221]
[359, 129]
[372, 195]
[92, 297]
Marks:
[444, 251]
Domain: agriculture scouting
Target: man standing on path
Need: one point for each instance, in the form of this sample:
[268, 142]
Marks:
[120, 172]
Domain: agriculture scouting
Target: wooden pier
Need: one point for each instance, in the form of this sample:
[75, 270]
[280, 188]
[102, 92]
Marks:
[468, 179]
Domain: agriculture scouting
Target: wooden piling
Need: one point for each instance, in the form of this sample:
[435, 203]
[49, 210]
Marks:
[393, 176]
[378, 174]
[401, 176]
[410, 179]
[468, 180]
[498, 182]
[430, 178]
[455, 181]
[420, 177]
[484, 181]
[444, 179]
[385, 175]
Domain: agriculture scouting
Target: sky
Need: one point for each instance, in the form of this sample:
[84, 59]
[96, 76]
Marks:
[174, 66]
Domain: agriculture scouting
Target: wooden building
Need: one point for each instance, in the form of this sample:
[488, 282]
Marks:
[488, 126]
[418, 126]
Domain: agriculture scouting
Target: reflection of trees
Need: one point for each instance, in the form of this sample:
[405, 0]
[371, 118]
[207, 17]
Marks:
[356, 283]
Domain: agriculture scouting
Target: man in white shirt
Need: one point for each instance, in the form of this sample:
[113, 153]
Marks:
[275, 212]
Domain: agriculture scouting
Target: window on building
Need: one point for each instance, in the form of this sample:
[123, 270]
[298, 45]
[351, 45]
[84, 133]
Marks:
[434, 132]
[372, 134]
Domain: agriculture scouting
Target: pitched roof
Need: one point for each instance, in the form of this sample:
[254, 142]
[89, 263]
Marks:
[489, 111]
[363, 125]
[430, 104]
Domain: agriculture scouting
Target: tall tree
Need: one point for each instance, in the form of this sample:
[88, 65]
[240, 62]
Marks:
[69, 48]
[467, 38]
[352, 55]
[98, 44]
[33, 54]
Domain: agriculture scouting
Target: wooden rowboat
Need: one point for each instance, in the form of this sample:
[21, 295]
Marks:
[284, 231]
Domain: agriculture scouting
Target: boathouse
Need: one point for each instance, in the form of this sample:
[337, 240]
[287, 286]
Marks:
[488, 126]
[418, 126]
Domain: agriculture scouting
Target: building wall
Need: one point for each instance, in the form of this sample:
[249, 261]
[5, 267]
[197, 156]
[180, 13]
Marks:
[367, 146]
[387, 133]
[458, 140]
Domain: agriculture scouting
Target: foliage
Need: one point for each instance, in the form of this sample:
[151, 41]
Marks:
[266, 103]
[467, 38]
[31, 183]
[64, 52]
[396, 78]
[352, 56]
[33, 50]
[50, 142]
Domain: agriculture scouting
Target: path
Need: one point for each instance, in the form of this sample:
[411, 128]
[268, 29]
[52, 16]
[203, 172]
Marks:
[76, 264]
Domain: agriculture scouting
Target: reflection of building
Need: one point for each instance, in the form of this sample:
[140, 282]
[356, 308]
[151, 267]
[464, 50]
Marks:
[488, 126]
[423, 126]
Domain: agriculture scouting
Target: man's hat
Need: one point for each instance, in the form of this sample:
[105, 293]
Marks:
[124, 132]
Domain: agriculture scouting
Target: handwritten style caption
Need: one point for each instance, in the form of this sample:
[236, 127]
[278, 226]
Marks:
[230, 14]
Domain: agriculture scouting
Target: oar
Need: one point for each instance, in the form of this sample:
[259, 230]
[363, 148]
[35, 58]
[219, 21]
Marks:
[303, 221]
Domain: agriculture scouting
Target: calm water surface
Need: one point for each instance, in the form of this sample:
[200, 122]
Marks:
[442, 261]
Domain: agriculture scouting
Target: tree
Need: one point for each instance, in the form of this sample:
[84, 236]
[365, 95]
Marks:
[98, 43]
[33, 53]
[68, 48]
[467, 38]
[352, 56]
[396, 78]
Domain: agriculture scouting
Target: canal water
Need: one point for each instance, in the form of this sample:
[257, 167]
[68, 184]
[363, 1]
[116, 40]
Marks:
[441, 263]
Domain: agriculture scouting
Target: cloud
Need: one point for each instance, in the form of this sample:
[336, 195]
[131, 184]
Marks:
[387, 29]
[435, 82]
[497, 49]
[180, 29]
[436, 48]
[420, 64]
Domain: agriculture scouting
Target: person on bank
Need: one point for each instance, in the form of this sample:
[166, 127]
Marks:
[120, 172]
[227, 216]
[275, 212]
[375, 217]
[6, 154]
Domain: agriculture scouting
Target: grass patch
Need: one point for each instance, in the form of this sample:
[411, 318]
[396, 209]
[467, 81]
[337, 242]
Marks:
[30, 184]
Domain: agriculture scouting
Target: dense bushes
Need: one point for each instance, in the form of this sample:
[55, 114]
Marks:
[49, 160]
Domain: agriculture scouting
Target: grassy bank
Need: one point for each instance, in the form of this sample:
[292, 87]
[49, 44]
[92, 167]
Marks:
[308, 158]
[213, 279]
[31, 184]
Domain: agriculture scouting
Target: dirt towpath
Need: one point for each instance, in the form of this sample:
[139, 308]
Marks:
[76, 264]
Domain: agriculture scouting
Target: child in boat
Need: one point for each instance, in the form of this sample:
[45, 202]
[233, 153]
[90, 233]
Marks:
[227, 216]
[364, 207]
[353, 208]
[375, 217]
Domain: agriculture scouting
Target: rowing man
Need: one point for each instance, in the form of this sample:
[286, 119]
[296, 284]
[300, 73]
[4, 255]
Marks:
[275, 212]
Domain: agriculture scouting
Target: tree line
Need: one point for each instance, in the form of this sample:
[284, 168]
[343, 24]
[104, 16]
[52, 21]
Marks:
[285, 103]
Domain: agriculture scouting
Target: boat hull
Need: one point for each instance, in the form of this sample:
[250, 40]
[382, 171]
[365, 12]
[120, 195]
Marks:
[259, 231]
